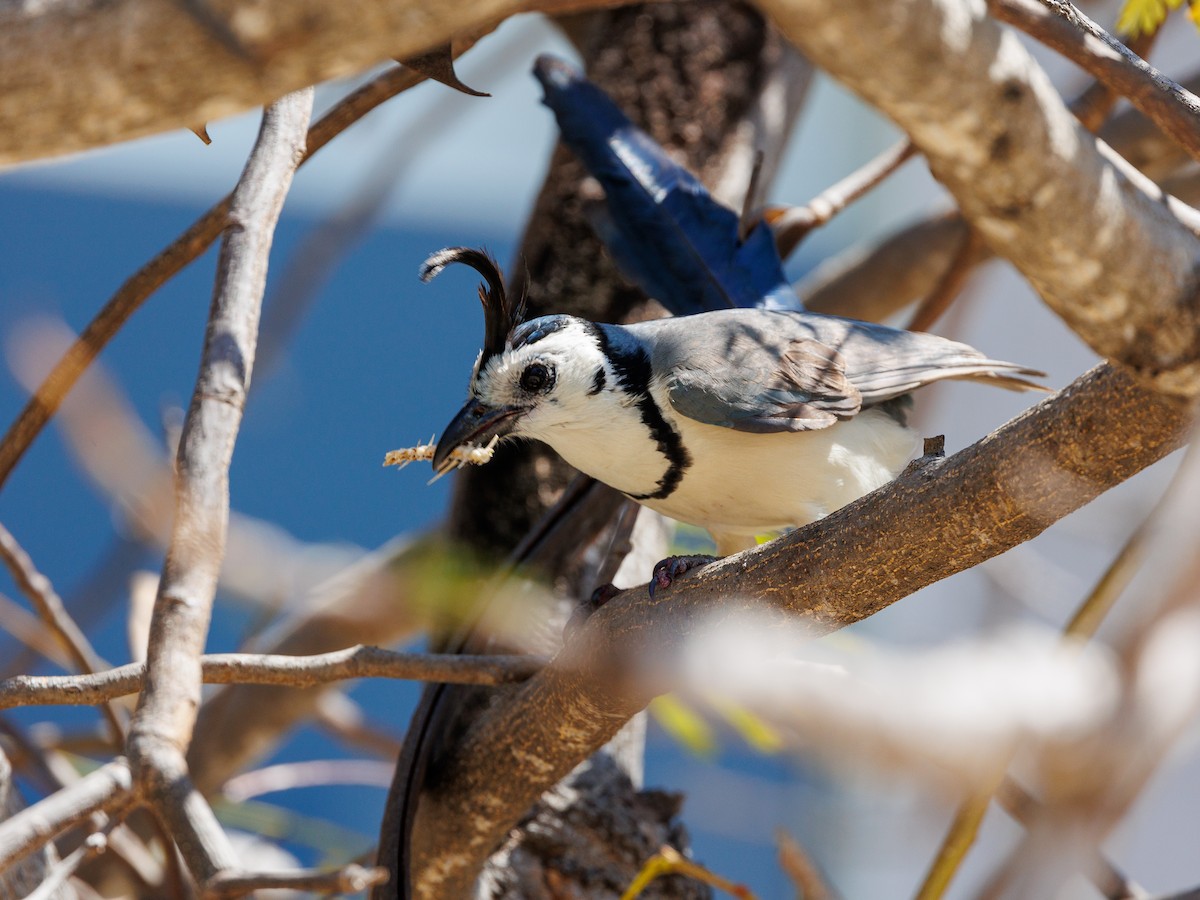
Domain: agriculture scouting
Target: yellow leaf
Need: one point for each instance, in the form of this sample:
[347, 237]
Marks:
[754, 731]
[684, 724]
[1144, 16]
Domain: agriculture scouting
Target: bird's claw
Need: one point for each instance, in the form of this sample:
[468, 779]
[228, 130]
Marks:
[667, 570]
[583, 611]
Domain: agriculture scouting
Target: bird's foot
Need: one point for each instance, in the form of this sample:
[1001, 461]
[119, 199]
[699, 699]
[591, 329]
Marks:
[584, 610]
[667, 570]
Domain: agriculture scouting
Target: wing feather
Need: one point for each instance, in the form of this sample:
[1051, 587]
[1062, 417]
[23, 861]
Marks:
[767, 371]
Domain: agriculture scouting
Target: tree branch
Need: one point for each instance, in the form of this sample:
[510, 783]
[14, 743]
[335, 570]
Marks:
[50, 607]
[1064, 27]
[792, 224]
[162, 727]
[1025, 174]
[74, 75]
[289, 671]
[158, 271]
[998, 493]
[102, 791]
[352, 879]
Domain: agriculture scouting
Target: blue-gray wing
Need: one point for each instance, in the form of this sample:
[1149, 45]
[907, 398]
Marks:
[762, 371]
[801, 386]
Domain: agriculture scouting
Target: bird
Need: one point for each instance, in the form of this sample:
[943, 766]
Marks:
[742, 421]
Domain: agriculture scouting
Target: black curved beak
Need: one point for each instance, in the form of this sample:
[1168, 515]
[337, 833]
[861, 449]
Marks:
[475, 423]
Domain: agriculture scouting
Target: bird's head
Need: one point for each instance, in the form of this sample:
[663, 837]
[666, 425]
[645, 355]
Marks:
[532, 379]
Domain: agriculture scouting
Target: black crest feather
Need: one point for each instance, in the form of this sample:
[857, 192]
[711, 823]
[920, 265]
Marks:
[500, 315]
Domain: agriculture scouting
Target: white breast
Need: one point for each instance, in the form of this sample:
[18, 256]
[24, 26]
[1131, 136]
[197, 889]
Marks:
[738, 484]
[741, 484]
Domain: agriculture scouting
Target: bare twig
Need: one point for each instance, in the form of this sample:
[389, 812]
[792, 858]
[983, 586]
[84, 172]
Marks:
[352, 879]
[167, 706]
[875, 282]
[40, 591]
[154, 274]
[30, 631]
[1061, 25]
[292, 671]
[345, 720]
[792, 224]
[970, 251]
[1096, 103]
[805, 874]
[103, 791]
[93, 845]
[307, 773]
[668, 861]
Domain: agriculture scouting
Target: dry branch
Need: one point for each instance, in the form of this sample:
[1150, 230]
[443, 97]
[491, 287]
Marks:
[1093, 235]
[352, 879]
[1064, 27]
[54, 613]
[77, 75]
[289, 671]
[154, 274]
[996, 494]
[40, 591]
[792, 224]
[162, 727]
[104, 790]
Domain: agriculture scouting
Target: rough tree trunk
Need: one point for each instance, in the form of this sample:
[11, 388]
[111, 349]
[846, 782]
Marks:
[695, 76]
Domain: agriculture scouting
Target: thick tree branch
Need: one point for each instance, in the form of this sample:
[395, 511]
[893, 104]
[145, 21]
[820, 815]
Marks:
[75, 75]
[996, 494]
[1098, 241]
[873, 282]
[162, 727]
[289, 671]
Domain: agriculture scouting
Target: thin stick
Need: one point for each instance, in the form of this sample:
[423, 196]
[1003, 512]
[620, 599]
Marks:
[292, 671]
[1060, 25]
[805, 874]
[793, 224]
[41, 593]
[162, 726]
[308, 773]
[1095, 105]
[668, 861]
[168, 263]
[352, 879]
[950, 285]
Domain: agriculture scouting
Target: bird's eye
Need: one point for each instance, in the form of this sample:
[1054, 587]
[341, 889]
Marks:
[537, 377]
